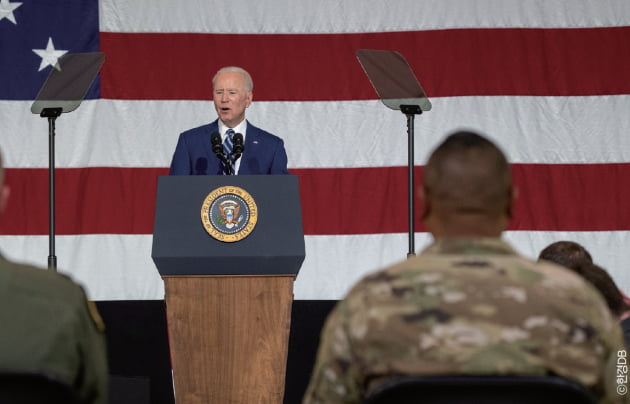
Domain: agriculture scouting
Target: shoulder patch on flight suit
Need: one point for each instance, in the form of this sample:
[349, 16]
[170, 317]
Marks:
[96, 317]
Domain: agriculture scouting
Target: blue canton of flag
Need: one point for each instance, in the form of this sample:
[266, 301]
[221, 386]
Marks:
[34, 34]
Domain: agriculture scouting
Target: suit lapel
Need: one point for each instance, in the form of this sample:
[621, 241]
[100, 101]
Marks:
[216, 167]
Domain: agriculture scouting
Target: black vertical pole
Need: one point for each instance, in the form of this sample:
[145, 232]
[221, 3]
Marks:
[411, 111]
[410, 168]
[51, 114]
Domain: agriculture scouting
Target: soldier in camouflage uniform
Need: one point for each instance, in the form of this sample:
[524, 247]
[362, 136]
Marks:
[468, 304]
[48, 326]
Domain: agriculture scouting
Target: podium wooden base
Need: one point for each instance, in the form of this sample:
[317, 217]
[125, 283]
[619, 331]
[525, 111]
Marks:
[229, 337]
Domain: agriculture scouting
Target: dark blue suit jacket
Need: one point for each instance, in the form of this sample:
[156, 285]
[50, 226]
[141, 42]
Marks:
[263, 153]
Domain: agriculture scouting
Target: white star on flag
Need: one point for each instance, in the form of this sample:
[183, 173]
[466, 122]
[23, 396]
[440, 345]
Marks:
[6, 10]
[49, 55]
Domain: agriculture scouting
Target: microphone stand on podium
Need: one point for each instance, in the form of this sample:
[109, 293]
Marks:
[229, 161]
[397, 86]
[66, 86]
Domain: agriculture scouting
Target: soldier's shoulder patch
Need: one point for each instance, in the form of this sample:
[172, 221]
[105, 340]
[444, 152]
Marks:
[95, 316]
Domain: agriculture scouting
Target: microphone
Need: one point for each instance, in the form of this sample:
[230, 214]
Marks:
[217, 148]
[217, 145]
[237, 145]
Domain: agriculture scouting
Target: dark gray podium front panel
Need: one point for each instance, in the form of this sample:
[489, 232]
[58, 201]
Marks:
[182, 246]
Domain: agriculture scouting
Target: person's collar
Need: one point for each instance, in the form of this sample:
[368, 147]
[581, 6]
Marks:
[469, 245]
[240, 128]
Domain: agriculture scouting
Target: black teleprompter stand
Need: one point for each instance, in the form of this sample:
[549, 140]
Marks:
[66, 86]
[397, 86]
[52, 114]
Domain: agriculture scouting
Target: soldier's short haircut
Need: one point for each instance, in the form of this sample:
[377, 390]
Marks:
[467, 173]
[569, 254]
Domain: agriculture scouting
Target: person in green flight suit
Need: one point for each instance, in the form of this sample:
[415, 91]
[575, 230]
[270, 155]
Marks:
[48, 326]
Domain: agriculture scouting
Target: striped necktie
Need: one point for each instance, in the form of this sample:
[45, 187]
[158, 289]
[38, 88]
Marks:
[227, 144]
[227, 148]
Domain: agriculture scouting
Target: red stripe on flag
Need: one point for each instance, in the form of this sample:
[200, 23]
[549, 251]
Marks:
[334, 201]
[88, 200]
[310, 67]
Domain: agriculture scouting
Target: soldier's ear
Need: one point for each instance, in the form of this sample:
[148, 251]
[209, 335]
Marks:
[4, 197]
[423, 193]
[512, 195]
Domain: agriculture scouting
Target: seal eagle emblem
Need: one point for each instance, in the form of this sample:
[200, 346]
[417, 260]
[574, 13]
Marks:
[229, 214]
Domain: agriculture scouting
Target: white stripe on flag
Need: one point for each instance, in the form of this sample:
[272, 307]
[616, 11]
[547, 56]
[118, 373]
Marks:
[119, 267]
[108, 133]
[354, 16]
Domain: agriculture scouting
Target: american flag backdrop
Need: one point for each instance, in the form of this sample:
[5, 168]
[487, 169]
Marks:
[548, 80]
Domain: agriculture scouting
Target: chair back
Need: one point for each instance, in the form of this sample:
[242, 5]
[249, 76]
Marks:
[34, 388]
[480, 389]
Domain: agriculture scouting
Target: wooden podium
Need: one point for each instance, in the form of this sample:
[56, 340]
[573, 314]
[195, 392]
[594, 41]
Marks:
[229, 302]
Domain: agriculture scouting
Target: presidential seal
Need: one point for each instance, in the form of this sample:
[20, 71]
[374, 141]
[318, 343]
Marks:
[229, 214]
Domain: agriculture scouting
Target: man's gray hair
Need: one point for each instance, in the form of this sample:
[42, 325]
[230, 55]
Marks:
[249, 83]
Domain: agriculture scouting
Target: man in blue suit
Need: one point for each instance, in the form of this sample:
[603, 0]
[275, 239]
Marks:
[263, 152]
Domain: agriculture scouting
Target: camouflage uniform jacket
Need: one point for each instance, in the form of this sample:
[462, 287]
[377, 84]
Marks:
[48, 326]
[466, 306]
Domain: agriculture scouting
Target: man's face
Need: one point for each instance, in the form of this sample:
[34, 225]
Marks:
[231, 98]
